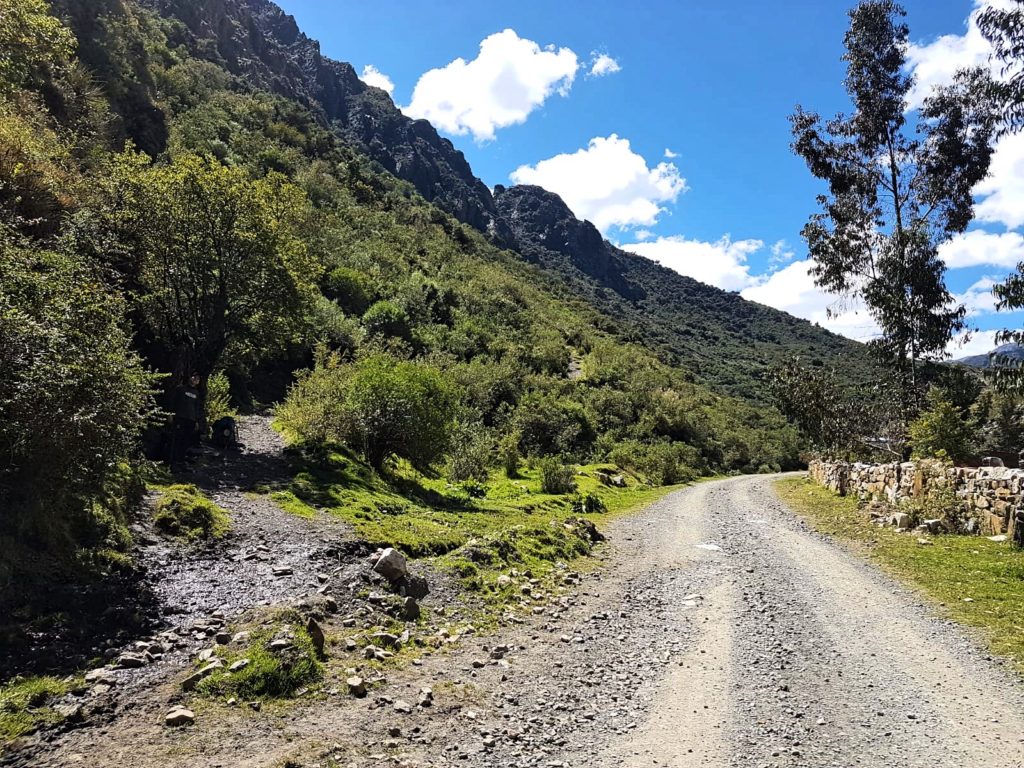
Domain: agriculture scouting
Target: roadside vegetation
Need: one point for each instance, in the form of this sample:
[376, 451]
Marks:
[26, 704]
[973, 580]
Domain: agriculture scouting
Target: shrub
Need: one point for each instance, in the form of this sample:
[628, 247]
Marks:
[556, 477]
[940, 432]
[314, 410]
[218, 398]
[508, 452]
[386, 319]
[469, 453]
[348, 288]
[399, 408]
[73, 397]
[661, 463]
[183, 511]
[549, 426]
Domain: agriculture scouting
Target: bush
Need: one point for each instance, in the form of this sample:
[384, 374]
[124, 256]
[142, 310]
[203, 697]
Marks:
[183, 511]
[399, 408]
[386, 319]
[661, 463]
[940, 432]
[218, 398]
[469, 454]
[550, 426]
[314, 410]
[556, 477]
[73, 397]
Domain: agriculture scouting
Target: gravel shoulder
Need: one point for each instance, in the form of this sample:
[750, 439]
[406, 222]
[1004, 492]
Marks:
[720, 631]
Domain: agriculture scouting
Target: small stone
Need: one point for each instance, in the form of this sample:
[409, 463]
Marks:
[104, 676]
[282, 570]
[239, 665]
[222, 638]
[240, 638]
[356, 686]
[391, 565]
[316, 634]
[410, 609]
[280, 644]
[179, 716]
[130, 661]
[403, 706]
[394, 732]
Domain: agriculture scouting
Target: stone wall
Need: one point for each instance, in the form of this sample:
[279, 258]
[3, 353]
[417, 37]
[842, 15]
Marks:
[987, 500]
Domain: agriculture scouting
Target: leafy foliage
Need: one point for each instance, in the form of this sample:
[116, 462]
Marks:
[72, 393]
[894, 197]
[940, 431]
[556, 477]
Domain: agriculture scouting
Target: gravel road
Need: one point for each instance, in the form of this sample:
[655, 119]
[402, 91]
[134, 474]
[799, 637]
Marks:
[721, 631]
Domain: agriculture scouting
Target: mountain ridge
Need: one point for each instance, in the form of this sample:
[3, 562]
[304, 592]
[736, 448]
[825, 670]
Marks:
[691, 323]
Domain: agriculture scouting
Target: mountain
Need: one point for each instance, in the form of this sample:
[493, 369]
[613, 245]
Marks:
[717, 336]
[1008, 352]
[721, 337]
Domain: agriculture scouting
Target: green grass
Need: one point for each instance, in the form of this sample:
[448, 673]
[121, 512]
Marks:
[184, 512]
[269, 675]
[25, 705]
[514, 525]
[977, 582]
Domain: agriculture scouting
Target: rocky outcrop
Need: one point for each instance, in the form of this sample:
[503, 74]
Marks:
[262, 45]
[988, 500]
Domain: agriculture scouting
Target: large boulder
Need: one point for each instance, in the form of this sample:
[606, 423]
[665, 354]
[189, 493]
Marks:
[391, 565]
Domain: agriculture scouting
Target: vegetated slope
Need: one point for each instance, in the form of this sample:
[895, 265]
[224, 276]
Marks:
[721, 338]
[724, 339]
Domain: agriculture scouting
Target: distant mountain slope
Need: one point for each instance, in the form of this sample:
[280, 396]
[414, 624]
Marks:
[725, 339]
[259, 42]
[1011, 352]
[718, 336]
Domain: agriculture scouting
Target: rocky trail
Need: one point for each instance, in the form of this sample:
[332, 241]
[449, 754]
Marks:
[719, 631]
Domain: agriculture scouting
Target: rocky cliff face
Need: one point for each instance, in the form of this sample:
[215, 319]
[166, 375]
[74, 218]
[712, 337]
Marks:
[260, 43]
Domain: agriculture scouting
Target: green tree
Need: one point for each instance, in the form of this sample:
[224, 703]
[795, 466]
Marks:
[940, 431]
[1003, 26]
[894, 193]
[221, 265]
[73, 396]
[31, 40]
[399, 408]
[386, 319]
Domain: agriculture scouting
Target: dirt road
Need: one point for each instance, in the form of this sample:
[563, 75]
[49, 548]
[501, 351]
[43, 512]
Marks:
[722, 632]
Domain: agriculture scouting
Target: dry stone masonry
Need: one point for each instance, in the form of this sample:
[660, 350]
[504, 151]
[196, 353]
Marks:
[989, 500]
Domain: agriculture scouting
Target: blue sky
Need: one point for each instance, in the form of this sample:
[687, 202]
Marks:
[585, 99]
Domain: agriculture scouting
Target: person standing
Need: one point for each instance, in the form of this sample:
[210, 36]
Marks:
[188, 417]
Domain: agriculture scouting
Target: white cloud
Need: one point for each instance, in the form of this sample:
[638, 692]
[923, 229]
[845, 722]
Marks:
[603, 64]
[670, 155]
[722, 264]
[373, 76]
[979, 248]
[607, 183]
[643, 234]
[792, 290]
[781, 254]
[978, 298]
[972, 343]
[936, 62]
[508, 80]
[1003, 190]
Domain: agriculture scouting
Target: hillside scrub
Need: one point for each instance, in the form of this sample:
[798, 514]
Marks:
[161, 214]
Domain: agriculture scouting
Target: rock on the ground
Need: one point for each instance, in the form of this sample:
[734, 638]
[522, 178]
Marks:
[180, 716]
[391, 565]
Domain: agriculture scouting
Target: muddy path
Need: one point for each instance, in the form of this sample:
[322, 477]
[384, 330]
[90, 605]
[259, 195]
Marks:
[721, 631]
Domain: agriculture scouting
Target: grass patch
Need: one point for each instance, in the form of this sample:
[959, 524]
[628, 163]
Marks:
[184, 512]
[25, 705]
[269, 674]
[978, 582]
[292, 504]
[478, 532]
